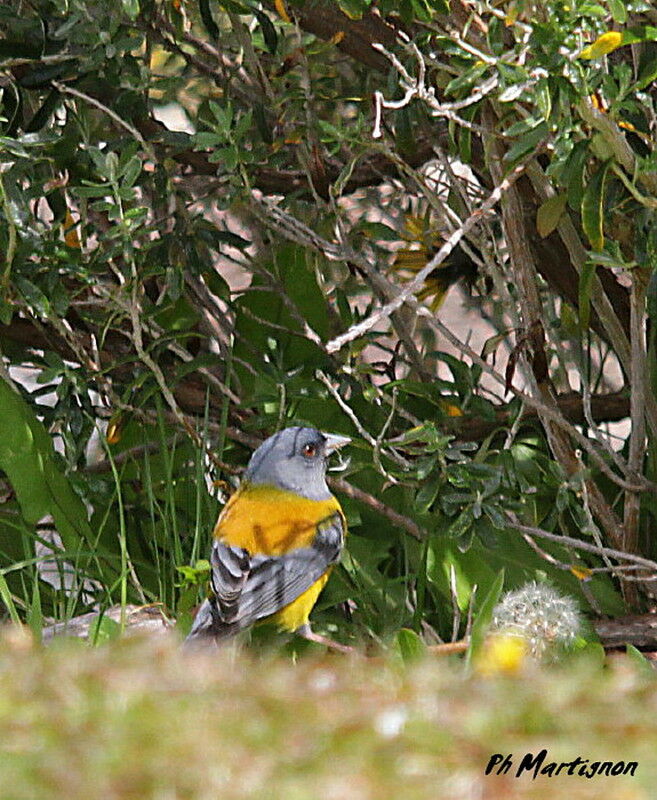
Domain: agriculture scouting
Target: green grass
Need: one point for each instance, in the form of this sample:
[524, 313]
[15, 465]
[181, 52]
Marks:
[145, 719]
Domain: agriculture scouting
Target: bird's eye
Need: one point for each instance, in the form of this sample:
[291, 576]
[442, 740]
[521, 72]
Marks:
[309, 450]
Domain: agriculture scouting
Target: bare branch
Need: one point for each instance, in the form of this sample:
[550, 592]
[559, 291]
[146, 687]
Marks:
[415, 285]
[579, 544]
[405, 523]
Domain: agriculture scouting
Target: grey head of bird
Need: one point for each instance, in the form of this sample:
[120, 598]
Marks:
[295, 459]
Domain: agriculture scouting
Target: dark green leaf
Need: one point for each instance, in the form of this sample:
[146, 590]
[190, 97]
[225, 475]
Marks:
[593, 207]
[467, 78]
[268, 30]
[549, 214]
[208, 20]
[26, 456]
[461, 525]
[527, 142]
[427, 494]
[42, 75]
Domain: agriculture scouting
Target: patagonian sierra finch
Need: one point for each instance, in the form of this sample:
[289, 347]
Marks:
[276, 540]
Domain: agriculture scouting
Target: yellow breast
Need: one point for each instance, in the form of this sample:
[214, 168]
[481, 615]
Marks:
[271, 521]
[296, 613]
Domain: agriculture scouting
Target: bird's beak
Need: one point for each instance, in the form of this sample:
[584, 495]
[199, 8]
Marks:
[333, 442]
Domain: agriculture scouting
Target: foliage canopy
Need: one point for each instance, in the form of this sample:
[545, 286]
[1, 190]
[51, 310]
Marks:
[214, 222]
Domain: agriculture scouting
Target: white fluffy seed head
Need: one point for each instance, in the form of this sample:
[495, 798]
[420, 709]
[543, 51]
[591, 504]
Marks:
[540, 614]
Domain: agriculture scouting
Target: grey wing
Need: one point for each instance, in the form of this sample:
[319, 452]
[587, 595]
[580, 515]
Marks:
[230, 571]
[251, 588]
[215, 618]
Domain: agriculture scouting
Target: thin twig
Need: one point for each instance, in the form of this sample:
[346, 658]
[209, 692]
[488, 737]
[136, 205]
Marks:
[639, 384]
[579, 544]
[295, 230]
[537, 405]
[358, 330]
[375, 443]
[406, 523]
[449, 648]
[69, 90]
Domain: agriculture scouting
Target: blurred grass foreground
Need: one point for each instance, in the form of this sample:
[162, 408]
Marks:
[142, 718]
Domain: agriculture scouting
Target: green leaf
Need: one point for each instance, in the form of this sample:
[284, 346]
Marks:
[104, 629]
[33, 296]
[640, 33]
[131, 8]
[27, 457]
[378, 231]
[467, 78]
[43, 114]
[215, 238]
[527, 143]
[440, 6]
[354, 9]
[651, 298]
[228, 156]
[42, 75]
[484, 617]
[205, 139]
[12, 146]
[464, 542]
[131, 171]
[409, 645]
[522, 126]
[427, 494]
[549, 214]
[593, 651]
[198, 575]
[177, 316]
[572, 174]
[618, 11]
[461, 525]
[647, 71]
[207, 19]
[511, 93]
[592, 207]
[639, 660]
[35, 614]
[6, 311]
[217, 284]
[8, 600]
[268, 30]
[491, 344]
[288, 349]
[223, 115]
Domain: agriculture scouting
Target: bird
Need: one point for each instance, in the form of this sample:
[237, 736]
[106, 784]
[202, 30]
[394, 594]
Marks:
[276, 540]
[423, 241]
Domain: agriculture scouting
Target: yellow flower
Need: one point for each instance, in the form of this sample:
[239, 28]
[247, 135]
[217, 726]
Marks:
[604, 44]
[503, 653]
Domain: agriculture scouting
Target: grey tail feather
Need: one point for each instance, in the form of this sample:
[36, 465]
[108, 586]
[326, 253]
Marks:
[209, 627]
